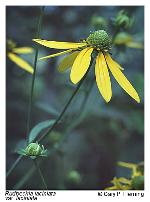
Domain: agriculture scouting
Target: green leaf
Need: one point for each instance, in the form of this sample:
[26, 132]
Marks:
[38, 128]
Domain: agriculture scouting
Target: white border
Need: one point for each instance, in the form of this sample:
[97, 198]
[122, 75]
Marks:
[75, 2]
[76, 195]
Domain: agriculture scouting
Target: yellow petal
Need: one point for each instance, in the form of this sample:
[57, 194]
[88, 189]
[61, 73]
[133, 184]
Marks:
[102, 77]
[124, 180]
[81, 65]
[135, 45]
[115, 63]
[59, 45]
[55, 55]
[121, 79]
[112, 188]
[67, 62]
[22, 50]
[20, 62]
[126, 165]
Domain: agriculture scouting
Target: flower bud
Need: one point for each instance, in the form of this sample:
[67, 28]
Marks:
[54, 137]
[33, 149]
[122, 20]
[74, 177]
[99, 22]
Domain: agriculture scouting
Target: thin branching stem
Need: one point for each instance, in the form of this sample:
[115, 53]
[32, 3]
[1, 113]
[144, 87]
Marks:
[49, 130]
[74, 123]
[34, 76]
[57, 120]
[31, 94]
[40, 174]
[14, 166]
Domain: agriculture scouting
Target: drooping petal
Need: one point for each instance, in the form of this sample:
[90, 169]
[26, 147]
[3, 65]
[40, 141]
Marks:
[81, 65]
[59, 45]
[115, 63]
[55, 55]
[23, 50]
[102, 77]
[67, 62]
[121, 79]
[20, 62]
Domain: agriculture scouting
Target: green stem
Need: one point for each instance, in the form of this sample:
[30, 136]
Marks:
[14, 166]
[53, 126]
[34, 75]
[60, 116]
[77, 119]
[20, 183]
[65, 108]
[31, 94]
[25, 178]
[87, 93]
[40, 174]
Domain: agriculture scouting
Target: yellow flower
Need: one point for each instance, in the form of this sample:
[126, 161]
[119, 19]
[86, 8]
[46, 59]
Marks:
[136, 168]
[135, 181]
[120, 184]
[80, 57]
[12, 52]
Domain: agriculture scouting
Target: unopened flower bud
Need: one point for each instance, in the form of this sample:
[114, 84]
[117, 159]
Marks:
[122, 20]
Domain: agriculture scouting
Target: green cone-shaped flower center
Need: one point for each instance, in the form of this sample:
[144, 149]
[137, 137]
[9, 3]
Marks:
[33, 149]
[99, 39]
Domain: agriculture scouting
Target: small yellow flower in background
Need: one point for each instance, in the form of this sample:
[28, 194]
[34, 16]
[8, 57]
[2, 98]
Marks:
[137, 169]
[80, 57]
[120, 183]
[135, 181]
[123, 38]
[12, 52]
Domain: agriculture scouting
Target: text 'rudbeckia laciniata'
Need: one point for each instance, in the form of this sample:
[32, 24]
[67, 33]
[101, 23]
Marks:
[79, 59]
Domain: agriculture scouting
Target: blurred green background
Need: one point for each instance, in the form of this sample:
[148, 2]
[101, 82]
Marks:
[105, 134]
